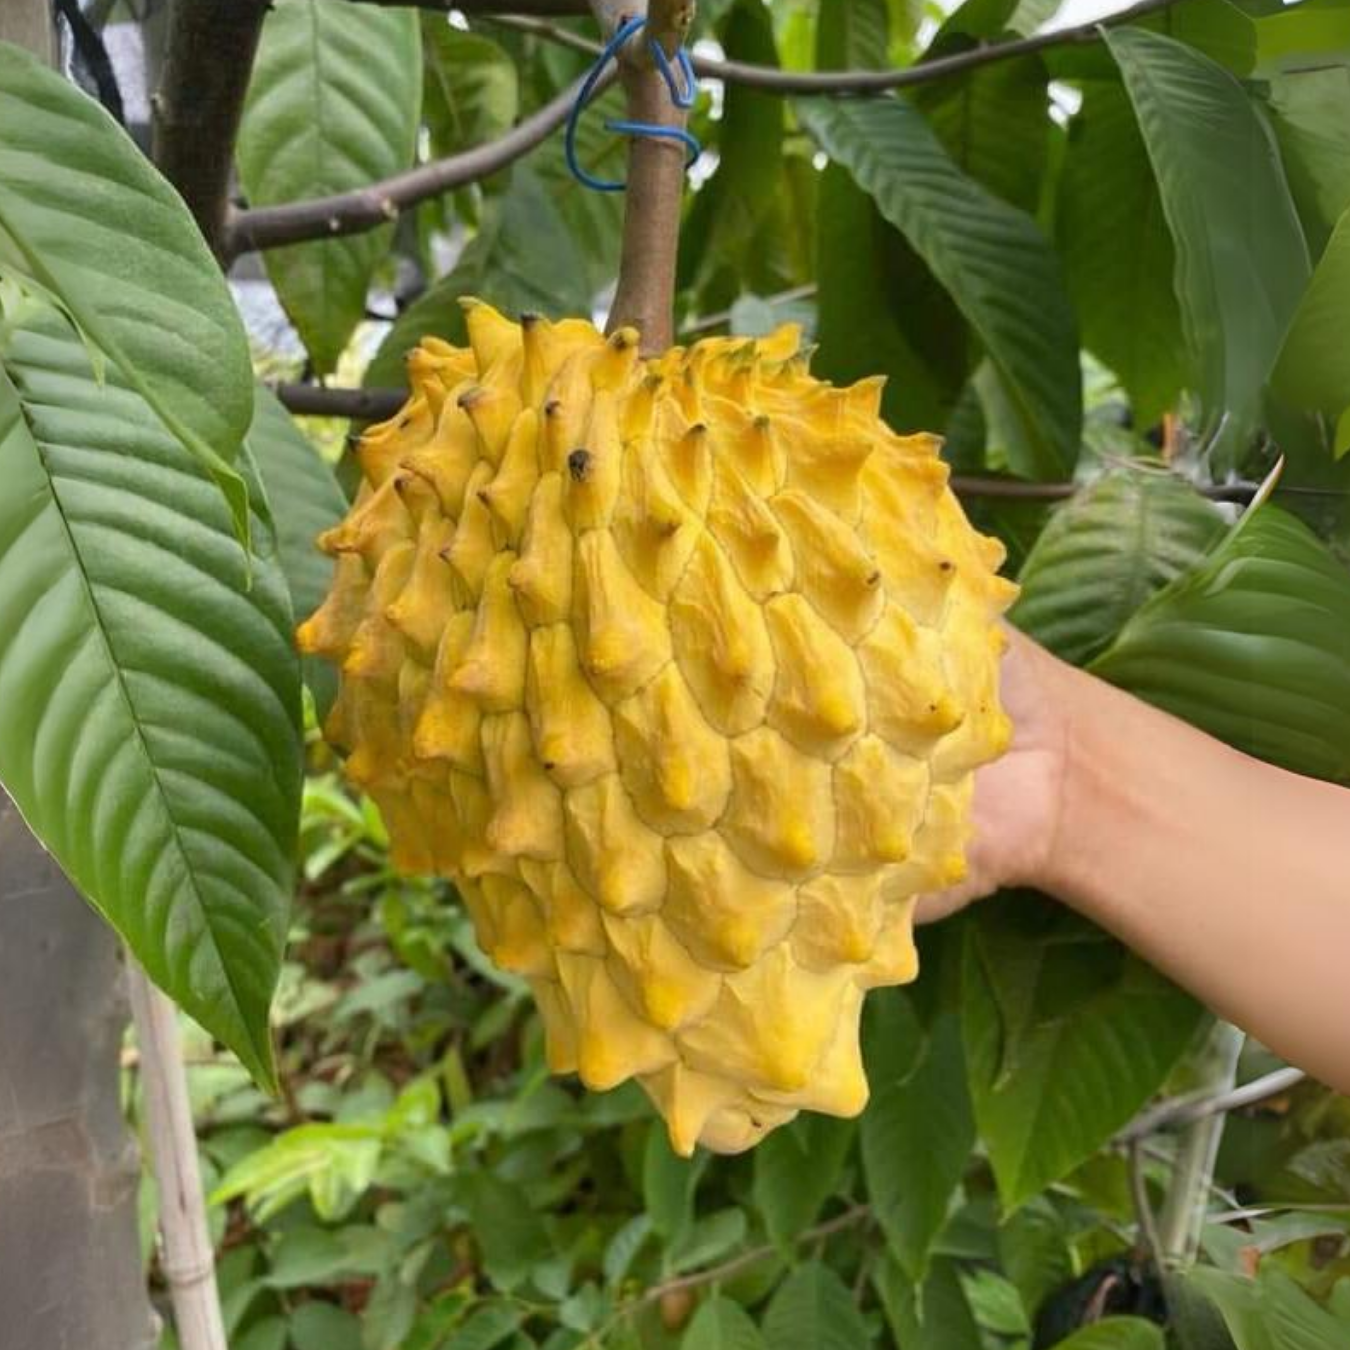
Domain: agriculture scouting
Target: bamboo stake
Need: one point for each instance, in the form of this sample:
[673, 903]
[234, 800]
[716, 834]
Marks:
[187, 1256]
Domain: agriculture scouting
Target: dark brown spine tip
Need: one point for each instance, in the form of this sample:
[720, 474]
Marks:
[485, 497]
[529, 318]
[699, 429]
[553, 407]
[579, 465]
[763, 422]
[946, 565]
[470, 396]
[622, 340]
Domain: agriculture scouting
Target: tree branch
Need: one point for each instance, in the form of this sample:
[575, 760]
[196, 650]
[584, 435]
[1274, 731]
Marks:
[200, 101]
[774, 80]
[645, 298]
[370, 207]
[362, 405]
[1191, 1107]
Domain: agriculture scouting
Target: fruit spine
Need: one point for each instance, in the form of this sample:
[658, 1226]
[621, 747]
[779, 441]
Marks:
[680, 669]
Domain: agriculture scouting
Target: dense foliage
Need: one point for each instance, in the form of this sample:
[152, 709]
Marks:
[1114, 269]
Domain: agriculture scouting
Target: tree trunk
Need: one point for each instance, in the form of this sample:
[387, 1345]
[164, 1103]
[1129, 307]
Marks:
[70, 1260]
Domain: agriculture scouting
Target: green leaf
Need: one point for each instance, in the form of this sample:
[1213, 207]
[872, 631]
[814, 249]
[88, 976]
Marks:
[87, 217]
[1253, 647]
[931, 1316]
[149, 695]
[1033, 1248]
[796, 1170]
[333, 105]
[1314, 34]
[1313, 370]
[917, 1135]
[668, 1184]
[813, 1310]
[485, 1328]
[1116, 1333]
[470, 88]
[1241, 260]
[853, 34]
[1118, 253]
[995, 124]
[509, 1231]
[717, 254]
[1067, 1036]
[721, 1324]
[1311, 115]
[990, 257]
[305, 500]
[1104, 553]
[1271, 1312]
[321, 1326]
[522, 259]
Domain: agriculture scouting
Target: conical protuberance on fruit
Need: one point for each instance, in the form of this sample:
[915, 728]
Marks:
[680, 669]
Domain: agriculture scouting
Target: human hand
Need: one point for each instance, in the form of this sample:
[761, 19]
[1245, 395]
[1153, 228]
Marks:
[1019, 798]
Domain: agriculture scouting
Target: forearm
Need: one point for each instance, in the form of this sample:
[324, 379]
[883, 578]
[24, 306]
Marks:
[1230, 875]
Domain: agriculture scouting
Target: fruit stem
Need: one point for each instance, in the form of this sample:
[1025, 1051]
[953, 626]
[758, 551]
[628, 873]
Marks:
[645, 298]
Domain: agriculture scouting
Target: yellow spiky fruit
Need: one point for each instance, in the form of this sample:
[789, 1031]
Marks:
[680, 668]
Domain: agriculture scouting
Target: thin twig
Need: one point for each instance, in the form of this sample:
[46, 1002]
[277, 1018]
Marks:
[773, 80]
[197, 109]
[377, 204]
[1143, 1206]
[707, 322]
[1193, 1106]
[363, 405]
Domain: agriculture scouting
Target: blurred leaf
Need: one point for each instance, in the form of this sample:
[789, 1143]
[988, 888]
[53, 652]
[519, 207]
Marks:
[333, 105]
[917, 1135]
[1196, 1323]
[321, 1326]
[1313, 34]
[720, 1324]
[471, 92]
[716, 256]
[990, 257]
[306, 500]
[1216, 161]
[522, 259]
[995, 1302]
[796, 1170]
[1034, 1251]
[708, 1239]
[508, 1230]
[668, 1184]
[487, 1327]
[994, 122]
[306, 1256]
[1313, 370]
[813, 1310]
[1253, 647]
[1271, 1312]
[1118, 253]
[149, 692]
[1116, 1333]
[83, 214]
[1067, 1036]
[931, 1316]
[1311, 116]
[268, 1334]
[1104, 553]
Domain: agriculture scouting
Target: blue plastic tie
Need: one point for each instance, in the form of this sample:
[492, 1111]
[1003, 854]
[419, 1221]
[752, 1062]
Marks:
[683, 92]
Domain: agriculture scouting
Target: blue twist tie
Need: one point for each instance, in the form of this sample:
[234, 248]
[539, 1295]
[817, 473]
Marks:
[683, 91]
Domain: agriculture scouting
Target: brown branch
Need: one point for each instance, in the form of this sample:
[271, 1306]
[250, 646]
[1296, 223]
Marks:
[200, 100]
[361, 405]
[645, 298]
[379, 203]
[773, 80]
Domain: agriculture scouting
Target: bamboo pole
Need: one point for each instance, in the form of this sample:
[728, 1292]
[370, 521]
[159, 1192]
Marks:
[186, 1256]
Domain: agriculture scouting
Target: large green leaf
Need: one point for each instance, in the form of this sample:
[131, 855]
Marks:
[1116, 1333]
[797, 1169]
[1312, 35]
[932, 1316]
[471, 91]
[84, 214]
[1314, 366]
[989, 256]
[306, 500]
[813, 1310]
[333, 105]
[1106, 552]
[1241, 260]
[1311, 115]
[1118, 253]
[522, 259]
[149, 693]
[1067, 1035]
[995, 124]
[1271, 1312]
[917, 1135]
[721, 1324]
[1253, 647]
